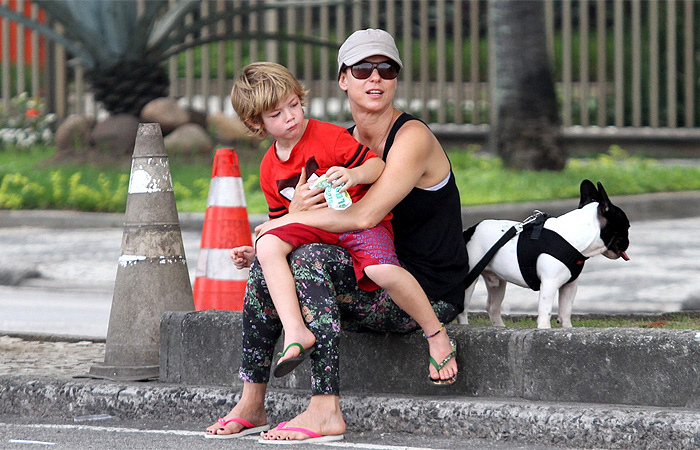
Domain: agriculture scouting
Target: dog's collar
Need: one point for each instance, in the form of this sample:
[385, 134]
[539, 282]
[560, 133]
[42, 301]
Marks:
[537, 219]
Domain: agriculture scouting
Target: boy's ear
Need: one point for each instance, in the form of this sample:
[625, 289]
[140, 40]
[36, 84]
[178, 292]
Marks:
[254, 125]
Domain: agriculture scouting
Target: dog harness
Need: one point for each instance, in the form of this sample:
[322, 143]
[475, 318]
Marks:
[534, 241]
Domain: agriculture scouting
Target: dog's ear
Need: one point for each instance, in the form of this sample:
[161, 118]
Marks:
[589, 193]
[604, 202]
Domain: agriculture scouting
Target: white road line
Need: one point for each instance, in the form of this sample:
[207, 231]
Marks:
[20, 441]
[112, 429]
[373, 446]
[343, 444]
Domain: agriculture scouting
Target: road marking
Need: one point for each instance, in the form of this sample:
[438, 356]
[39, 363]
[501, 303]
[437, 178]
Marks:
[20, 441]
[373, 446]
[112, 429]
[343, 444]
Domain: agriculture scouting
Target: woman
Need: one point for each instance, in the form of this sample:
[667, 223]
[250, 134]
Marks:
[418, 187]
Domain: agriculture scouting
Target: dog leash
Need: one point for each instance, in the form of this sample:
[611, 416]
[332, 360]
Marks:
[537, 218]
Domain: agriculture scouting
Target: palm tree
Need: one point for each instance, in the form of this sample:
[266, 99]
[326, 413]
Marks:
[123, 49]
[526, 132]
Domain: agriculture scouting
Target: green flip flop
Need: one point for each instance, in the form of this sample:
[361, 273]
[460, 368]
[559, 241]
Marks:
[439, 367]
[289, 364]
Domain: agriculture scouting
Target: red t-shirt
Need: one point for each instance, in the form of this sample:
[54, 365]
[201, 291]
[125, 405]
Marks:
[322, 146]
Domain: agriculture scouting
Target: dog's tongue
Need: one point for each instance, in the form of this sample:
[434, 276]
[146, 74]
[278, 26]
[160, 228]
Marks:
[624, 256]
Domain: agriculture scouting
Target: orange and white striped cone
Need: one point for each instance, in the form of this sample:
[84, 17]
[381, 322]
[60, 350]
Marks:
[218, 284]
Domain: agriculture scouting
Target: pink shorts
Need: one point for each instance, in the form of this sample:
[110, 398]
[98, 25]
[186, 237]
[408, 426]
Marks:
[368, 247]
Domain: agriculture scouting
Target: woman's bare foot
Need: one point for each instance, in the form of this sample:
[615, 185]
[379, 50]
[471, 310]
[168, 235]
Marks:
[322, 416]
[440, 347]
[301, 336]
[251, 407]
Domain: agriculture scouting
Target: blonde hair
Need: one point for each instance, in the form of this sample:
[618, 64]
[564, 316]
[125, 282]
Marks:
[260, 87]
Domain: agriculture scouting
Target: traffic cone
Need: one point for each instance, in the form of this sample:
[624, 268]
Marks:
[152, 275]
[218, 284]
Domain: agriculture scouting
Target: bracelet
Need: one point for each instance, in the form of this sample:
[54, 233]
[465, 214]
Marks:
[442, 327]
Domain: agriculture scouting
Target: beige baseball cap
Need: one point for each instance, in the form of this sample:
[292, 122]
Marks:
[365, 43]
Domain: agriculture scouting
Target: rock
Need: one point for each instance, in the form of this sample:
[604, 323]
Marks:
[116, 135]
[227, 129]
[73, 135]
[189, 139]
[197, 116]
[167, 112]
[691, 304]
[14, 275]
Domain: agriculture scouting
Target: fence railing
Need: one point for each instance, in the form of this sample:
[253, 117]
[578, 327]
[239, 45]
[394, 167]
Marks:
[627, 63]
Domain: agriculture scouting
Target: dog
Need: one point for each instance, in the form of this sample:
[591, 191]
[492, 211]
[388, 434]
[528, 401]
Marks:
[596, 227]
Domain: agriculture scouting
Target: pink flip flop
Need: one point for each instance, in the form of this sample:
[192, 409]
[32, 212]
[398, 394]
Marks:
[313, 436]
[248, 429]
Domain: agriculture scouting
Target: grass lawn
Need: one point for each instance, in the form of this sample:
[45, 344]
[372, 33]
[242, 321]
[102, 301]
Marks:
[690, 320]
[33, 179]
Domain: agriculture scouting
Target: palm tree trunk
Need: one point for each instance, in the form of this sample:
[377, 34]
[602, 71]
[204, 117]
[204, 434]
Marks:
[526, 132]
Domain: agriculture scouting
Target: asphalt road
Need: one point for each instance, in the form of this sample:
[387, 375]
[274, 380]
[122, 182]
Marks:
[111, 433]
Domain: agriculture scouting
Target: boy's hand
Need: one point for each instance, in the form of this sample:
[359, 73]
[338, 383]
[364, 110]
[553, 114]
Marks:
[304, 198]
[242, 256]
[338, 176]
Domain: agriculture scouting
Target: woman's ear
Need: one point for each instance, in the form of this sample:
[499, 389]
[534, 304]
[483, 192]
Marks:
[343, 81]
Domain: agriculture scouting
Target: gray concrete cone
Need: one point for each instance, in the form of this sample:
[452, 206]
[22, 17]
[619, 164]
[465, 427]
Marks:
[152, 276]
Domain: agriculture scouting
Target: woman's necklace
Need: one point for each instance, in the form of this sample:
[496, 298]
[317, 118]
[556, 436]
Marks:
[382, 143]
[379, 147]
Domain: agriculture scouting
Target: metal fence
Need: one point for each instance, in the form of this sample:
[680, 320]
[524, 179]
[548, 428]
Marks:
[626, 63]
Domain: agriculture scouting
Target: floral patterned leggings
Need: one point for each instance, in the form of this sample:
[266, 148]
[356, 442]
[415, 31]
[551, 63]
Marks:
[329, 299]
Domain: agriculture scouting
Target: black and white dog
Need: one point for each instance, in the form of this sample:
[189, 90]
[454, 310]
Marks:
[548, 254]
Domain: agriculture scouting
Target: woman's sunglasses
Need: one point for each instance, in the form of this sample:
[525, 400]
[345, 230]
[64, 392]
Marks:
[385, 69]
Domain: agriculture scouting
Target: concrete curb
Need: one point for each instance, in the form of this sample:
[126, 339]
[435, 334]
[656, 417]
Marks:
[664, 205]
[572, 425]
[658, 206]
[648, 367]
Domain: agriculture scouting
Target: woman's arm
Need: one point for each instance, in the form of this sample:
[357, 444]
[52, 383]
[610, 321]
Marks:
[366, 173]
[406, 164]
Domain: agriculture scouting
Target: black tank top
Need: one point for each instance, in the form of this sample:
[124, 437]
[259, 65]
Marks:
[428, 235]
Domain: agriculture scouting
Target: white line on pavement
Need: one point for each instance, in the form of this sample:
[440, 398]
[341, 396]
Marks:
[199, 433]
[373, 446]
[113, 429]
[21, 441]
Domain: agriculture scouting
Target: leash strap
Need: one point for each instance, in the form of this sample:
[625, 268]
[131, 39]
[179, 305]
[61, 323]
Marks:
[481, 265]
[537, 218]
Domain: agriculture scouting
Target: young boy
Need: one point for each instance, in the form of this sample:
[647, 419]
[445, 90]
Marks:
[269, 100]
